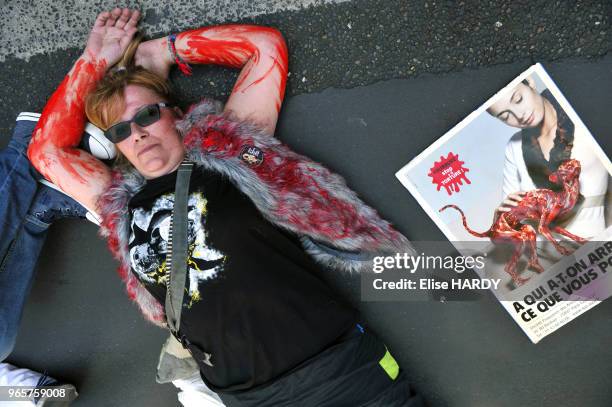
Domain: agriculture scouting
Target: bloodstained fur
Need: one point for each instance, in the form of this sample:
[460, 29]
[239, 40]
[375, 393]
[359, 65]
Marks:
[328, 214]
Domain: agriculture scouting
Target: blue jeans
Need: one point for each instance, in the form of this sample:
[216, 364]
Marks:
[27, 209]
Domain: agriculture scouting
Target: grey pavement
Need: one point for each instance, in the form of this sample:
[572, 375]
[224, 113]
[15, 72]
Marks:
[339, 45]
[365, 121]
[36, 27]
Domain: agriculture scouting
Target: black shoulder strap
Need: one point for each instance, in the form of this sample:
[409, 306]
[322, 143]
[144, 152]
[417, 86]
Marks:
[176, 259]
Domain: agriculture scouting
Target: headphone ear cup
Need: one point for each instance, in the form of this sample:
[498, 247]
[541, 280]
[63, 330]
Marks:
[95, 143]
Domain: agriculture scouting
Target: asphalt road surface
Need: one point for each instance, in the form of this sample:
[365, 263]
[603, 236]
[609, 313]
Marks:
[372, 84]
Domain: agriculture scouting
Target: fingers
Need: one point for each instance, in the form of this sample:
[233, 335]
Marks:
[101, 19]
[514, 198]
[114, 15]
[507, 202]
[123, 18]
[133, 21]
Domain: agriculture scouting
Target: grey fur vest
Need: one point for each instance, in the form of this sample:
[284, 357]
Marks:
[293, 192]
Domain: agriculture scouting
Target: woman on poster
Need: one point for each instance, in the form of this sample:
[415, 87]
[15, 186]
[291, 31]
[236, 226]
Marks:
[547, 138]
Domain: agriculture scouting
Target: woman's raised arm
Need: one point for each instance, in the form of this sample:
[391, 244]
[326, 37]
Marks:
[53, 149]
[261, 52]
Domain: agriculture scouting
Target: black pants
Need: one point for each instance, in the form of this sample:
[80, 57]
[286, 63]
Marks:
[358, 371]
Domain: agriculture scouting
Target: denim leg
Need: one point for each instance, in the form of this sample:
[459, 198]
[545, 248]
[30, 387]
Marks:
[18, 186]
[16, 276]
[19, 263]
[27, 208]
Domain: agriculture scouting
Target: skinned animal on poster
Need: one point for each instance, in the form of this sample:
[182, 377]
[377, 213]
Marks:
[542, 206]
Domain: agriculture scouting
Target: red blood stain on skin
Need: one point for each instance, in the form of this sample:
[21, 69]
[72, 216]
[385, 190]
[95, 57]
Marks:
[61, 126]
[232, 54]
[261, 50]
[256, 81]
[246, 73]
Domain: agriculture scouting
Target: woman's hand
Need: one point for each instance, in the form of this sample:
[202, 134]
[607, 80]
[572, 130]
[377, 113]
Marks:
[111, 34]
[154, 56]
[511, 201]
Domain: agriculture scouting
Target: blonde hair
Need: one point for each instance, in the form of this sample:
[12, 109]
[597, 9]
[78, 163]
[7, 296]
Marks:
[105, 105]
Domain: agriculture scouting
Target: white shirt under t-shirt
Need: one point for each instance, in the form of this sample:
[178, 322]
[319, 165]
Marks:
[590, 220]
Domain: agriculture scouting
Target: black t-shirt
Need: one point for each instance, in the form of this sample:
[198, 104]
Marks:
[253, 307]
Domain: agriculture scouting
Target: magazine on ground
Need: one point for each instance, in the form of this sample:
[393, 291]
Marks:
[524, 180]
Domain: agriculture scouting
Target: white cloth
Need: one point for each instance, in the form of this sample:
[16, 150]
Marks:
[590, 220]
[13, 376]
[194, 393]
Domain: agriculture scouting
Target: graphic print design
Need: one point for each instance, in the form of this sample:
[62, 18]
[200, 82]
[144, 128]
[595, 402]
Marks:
[449, 173]
[149, 244]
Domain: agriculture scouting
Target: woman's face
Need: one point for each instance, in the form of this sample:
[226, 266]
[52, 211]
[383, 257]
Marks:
[522, 107]
[156, 149]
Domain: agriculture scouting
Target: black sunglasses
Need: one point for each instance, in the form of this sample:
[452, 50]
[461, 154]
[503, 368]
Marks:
[144, 117]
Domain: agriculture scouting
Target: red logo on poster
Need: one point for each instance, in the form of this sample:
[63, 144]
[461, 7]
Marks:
[449, 173]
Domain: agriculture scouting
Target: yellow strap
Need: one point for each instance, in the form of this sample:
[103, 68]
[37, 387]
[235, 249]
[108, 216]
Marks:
[389, 365]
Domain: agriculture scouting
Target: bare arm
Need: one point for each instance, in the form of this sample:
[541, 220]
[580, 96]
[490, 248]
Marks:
[260, 52]
[53, 149]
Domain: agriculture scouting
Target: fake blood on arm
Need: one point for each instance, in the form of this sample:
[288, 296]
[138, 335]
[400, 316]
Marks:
[62, 121]
[260, 50]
